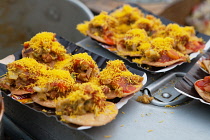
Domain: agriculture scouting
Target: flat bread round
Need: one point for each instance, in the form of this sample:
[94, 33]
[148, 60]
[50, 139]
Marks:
[45, 103]
[203, 94]
[112, 95]
[163, 64]
[98, 38]
[90, 119]
[18, 92]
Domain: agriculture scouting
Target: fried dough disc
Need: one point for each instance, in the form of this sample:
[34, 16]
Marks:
[98, 38]
[163, 64]
[18, 92]
[112, 95]
[205, 95]
[90, 119]
[45, 103]
[12, 89]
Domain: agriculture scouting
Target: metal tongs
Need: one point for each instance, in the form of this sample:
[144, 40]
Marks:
[164, 92]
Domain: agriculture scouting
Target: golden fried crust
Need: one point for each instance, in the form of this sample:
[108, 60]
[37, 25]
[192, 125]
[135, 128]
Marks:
[98, 38]
[112, 95]
[18, 92]
[163, 64]
[45, 103]
[90, 119]
[203, 94]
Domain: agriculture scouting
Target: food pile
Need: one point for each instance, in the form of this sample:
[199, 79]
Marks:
[143, 38]
[72, 84]
[200, 17]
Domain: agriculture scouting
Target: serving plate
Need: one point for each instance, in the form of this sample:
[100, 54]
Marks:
[186, 84]
[73, 49]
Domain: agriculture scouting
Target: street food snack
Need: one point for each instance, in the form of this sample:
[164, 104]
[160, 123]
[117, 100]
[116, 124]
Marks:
[160, 53]
[185, 39]
[129, 44]
[86, 106]
[84, 67]
[22, 75]
[44, 48]
[118, 81]
[101, 28]
[202, 87]
[55, 83]
[126, 17]
[152, 25]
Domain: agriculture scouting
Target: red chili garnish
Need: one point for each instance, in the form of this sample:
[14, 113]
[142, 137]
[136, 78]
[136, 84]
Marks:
[61, 86]
[127, 87]
[195, 45]
[26, 45]
[164, 57]
[203, 83]
[109, 40]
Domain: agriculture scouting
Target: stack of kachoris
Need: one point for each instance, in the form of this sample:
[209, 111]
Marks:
[72, 84]
[143, 38]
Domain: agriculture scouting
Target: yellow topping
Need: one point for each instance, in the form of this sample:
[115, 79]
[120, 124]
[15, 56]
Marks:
[26, 64]
[83, 27]
[127, 14]
[160, 44]
[83, 57]
[143, 47]
[135, 37]
[86, 98]
[114, 69]
[60, 79]
[177, 32]
[103, 19]
[66, 64]
[45, 41]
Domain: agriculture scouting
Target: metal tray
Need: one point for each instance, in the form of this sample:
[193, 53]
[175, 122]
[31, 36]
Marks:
[145, 67]
[48, 116]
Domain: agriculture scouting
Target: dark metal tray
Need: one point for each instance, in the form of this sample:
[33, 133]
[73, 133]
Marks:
[12, 107]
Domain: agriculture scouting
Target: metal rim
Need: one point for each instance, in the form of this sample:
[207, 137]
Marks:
[83, 6]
